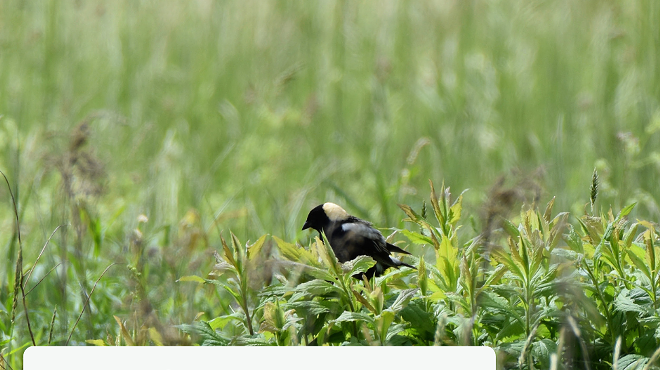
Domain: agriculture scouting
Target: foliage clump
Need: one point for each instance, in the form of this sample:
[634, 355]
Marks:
[542, 292]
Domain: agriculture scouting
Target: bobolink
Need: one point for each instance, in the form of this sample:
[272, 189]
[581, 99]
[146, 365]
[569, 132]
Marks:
[350, 237]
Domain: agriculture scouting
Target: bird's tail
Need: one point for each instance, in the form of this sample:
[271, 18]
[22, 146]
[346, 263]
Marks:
[398, 263]
[394, 248]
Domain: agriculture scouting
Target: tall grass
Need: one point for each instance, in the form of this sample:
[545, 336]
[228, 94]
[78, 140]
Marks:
[145, 128]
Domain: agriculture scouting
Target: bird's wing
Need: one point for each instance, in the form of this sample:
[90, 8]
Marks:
[363, 230]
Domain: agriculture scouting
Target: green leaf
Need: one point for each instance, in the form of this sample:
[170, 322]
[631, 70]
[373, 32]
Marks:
[416, 238]
[348, 316]
[466, 276]
[624, 303]
[310, 307]
[489, 299]
[633, 253]
[523, 255]
[96, 342]
[506, 259]
[223, 266]
[240, 253]
[203, 329]
[513, 348]
[455, 210]
[437, 210]
[402, 300]
[256, 248]
[383, 322]
[359, 265]
[650, 250]
[510, 228]
[632, 362]
[289, 251]
[559, 222]
[573, 240]
[414, 217]
[519, 262]
[548, 210]
[364, 301]
[229, 254]
[273, 318]
[231, 291]
[221, 321]
[328, 255]
[593, 227]
[318, 287]
[630, 234]
[193, 278]
[542, 351]
[624, 212]
[392, 338]
[418, 318]
[315, 272]
[447, 262]
[494, 277]
[298, 254]
[422, 277]
[155, 336]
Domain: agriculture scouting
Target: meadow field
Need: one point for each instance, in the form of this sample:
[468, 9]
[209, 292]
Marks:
[513, 147]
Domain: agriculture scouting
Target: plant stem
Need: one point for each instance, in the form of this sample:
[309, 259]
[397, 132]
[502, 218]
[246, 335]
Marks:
[594, 281]
[247, 313]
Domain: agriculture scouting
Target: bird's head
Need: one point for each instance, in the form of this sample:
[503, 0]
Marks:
[324, 214]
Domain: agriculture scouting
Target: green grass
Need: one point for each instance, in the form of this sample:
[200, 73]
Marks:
[210, 116]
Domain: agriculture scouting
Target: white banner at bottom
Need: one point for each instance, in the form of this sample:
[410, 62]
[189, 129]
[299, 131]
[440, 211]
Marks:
[267, 358]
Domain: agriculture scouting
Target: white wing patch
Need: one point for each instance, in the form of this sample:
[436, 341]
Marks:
[334, 212]
[363, 230]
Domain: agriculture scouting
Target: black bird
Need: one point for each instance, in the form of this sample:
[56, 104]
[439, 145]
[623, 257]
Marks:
[350, 237]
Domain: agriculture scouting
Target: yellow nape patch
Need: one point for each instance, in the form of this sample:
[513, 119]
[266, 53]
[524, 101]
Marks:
[334, 212]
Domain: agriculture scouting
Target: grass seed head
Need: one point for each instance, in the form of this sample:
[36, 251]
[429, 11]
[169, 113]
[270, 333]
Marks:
[594, 189]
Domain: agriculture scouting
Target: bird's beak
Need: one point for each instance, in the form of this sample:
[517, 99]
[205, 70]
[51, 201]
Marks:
[306, 225]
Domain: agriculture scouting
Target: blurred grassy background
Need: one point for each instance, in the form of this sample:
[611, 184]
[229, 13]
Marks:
[253, 112]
